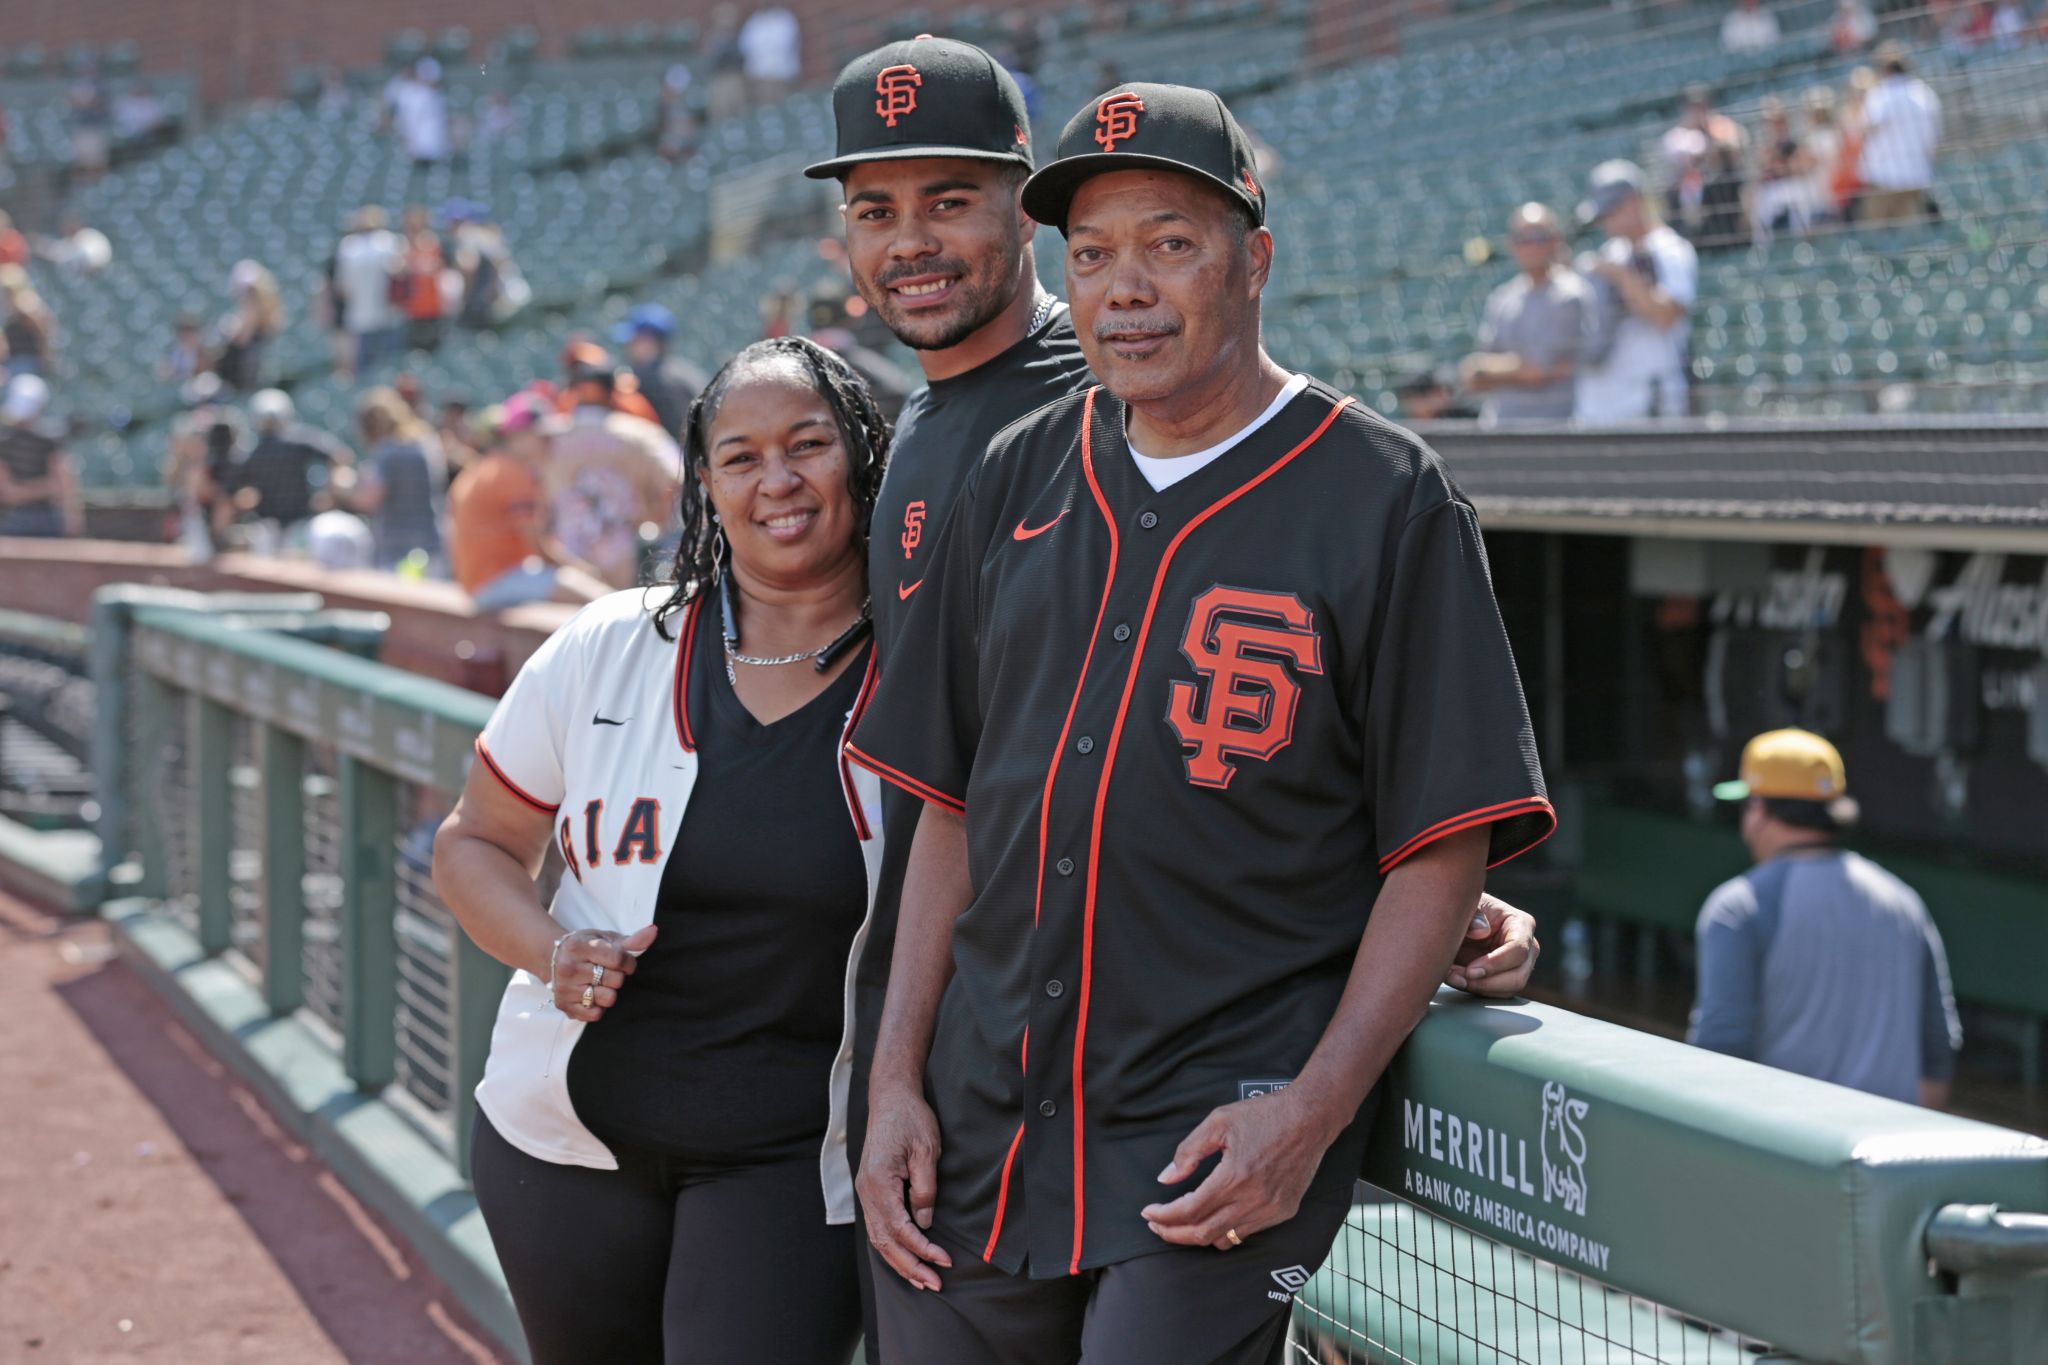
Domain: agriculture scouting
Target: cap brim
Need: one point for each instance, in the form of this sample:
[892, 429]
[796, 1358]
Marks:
[840, 165]
[1048, 193]
[1736, 790]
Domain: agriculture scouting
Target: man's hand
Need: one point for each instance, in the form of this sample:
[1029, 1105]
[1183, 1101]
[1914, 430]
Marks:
[1499, 952]
[1271, 1146]
[902, 1154]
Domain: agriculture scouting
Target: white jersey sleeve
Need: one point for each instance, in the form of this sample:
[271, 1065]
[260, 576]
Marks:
[523, 742]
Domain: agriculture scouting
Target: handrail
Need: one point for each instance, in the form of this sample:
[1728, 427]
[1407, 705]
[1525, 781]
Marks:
[1964, 1238]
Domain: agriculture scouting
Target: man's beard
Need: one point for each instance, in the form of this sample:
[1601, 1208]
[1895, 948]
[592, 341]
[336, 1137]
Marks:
[984, 294]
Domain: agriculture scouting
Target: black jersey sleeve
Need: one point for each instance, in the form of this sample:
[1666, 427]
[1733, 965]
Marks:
[922, 726]
[1449, 746]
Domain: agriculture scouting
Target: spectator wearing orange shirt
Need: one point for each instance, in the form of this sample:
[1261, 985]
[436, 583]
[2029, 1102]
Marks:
[498, 542]
[424, 262]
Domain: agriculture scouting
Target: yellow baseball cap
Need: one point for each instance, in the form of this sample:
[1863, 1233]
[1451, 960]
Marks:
[1789, 765]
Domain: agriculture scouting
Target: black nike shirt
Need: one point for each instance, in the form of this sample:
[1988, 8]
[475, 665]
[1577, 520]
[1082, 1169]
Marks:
[943, 432]
[1191, 731]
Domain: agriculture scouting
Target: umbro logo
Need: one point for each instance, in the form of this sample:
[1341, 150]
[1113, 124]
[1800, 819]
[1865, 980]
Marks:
[1290, 1281]
[596, 719]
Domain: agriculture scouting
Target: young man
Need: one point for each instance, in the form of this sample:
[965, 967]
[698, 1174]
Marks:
[1818, 960]
[1210, 680]
[933, 150]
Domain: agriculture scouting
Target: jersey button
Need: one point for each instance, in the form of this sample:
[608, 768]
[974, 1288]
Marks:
[1148, 520]
[1055, 989]
[1084, 745]
[1048, 1108]
[1065, 867]
[1121, 633]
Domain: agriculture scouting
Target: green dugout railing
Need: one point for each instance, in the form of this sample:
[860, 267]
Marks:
[1541, 1188]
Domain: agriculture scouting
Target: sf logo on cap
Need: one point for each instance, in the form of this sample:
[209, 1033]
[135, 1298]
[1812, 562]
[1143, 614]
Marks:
[897, 86]
[1118, 115]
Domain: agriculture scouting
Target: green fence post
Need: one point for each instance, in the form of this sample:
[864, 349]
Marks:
[284, 869]
[369, 822]
[213, 808]
[152, 702]
[479, 983]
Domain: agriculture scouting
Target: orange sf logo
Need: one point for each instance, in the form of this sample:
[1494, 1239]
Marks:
[913, 527]
[1118, 115]
[1241, 643]
[897, 86]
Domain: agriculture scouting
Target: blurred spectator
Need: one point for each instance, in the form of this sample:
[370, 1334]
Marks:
[492, 287]
[1782, 196]
[78, 248]
[335, 98]
[612, 480]
[290, 471]
[728, 63]
[583, 358]
[2009, 25]
[457, 434]
[421, 281]
[669, 383]
[1846, 188]
[1818, 961]
[366, 266]
[13, 245]
[29, 329]
[187, 359]
[1822, 142]
[1635, 365]
[1703, 156]
[832, 327]
[778, 312]
[138, 113]
[1749, 27]
[1431, 396]
[1853, 27]
[499, 545]
[418, 112]
[772, 44]
[679, 131]
[338, 541]
[1901, 129]
[91, 126]
[1533, 327]
[222, 443]
[38, 487]
[401, 485]
[249, 327]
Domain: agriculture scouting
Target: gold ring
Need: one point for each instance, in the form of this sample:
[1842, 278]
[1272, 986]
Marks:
[1235, 1240]
[589, 995]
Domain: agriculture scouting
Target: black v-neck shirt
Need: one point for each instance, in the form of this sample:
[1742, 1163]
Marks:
[720, 1047]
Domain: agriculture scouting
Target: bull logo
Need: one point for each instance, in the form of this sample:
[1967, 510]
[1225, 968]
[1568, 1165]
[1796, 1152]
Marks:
[913, 527]
[1118, 115]
[1564, 1149]
[1241, 643]
[897, 86]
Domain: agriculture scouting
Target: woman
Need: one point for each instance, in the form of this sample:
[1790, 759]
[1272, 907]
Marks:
[661, 1147]
[402, 484]
[249, 327]
[422, 281]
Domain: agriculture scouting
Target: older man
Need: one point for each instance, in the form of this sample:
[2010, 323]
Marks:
[1217, 729]
[1650, 277]
[1533, 328]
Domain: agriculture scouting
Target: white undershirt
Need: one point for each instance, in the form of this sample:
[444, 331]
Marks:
[1165, 472]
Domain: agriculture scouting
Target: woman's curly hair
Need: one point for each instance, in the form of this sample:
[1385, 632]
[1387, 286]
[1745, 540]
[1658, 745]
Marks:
[862, 428]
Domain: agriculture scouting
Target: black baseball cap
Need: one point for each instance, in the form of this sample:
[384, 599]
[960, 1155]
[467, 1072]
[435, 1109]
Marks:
[926, 97]
[1165, 127]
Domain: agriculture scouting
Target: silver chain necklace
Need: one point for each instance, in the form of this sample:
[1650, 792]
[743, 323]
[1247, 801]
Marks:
[733, 655]
[1041, 313]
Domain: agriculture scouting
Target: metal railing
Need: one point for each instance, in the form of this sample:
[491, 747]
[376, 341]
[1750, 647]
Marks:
[46, 709]
[281, 803]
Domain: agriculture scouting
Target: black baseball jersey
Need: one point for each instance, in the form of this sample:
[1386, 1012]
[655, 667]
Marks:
[1191, 731]
[943, 432]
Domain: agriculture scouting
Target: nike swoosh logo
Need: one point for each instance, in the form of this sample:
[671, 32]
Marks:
[1024, 532]
[903, 590]
[596, 719]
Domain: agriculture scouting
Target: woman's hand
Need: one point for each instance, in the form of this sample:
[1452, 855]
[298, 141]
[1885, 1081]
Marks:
[591, 967]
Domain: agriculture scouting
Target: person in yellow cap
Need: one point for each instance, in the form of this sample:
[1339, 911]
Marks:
[1817, 960]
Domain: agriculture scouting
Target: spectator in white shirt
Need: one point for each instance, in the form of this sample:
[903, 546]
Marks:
[1635, 365]
[1749, 27]
[1852, 28]
[419, 112]
[771, 46]
[1902, 127]
[364, 266]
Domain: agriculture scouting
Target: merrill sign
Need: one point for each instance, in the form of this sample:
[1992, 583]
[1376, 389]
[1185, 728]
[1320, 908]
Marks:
[1499, 1158]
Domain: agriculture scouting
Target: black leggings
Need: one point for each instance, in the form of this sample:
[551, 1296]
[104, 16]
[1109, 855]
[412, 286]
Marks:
[663, 1262]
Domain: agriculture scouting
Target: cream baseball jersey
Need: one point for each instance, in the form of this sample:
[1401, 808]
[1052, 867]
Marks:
[596, 733]
[1191, 731]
